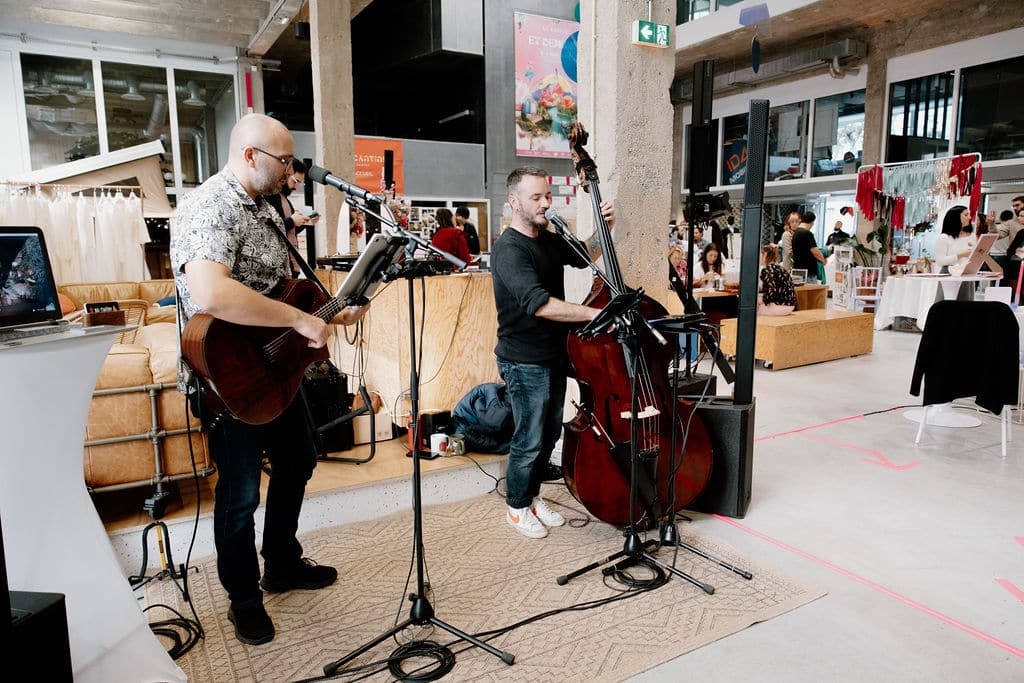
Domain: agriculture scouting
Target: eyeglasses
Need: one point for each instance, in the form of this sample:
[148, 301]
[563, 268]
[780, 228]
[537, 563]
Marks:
[287, 163]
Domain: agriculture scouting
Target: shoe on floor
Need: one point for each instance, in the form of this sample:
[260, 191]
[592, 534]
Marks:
[305, 574]
[552, 472]
[545, 514]
[252, 623]
[525, 522]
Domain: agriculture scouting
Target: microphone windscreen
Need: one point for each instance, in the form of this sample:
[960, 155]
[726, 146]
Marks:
[317, 174]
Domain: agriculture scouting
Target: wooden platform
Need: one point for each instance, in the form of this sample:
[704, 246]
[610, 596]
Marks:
[811, 296]
[805, 337]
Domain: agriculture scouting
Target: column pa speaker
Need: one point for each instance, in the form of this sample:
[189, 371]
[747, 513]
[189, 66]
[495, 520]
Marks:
[731, 428]
[40, 649]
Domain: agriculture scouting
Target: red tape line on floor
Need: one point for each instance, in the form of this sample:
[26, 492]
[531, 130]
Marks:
[1016, 651]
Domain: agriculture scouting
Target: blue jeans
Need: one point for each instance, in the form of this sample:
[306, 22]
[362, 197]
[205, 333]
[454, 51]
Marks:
[536, 394]
[238, 449]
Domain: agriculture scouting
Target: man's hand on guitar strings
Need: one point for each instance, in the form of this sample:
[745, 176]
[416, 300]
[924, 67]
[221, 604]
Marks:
[312, 328]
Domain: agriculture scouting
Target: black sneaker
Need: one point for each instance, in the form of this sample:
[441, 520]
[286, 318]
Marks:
[252, 623]
[552, 472]
[304, 574]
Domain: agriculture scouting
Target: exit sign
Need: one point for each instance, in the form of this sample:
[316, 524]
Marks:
[650, 33]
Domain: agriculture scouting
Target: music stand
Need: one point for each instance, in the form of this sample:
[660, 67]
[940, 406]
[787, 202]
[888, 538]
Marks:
[422, 612]
[381, 254]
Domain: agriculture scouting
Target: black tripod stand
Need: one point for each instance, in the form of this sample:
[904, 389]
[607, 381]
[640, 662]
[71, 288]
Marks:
[623, 312]
[422, 612]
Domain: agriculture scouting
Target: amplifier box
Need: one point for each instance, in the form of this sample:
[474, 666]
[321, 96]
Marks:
[39, 649]
[731, 428]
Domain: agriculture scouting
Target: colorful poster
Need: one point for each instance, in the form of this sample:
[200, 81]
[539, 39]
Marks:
[545, 62]
[372, 161]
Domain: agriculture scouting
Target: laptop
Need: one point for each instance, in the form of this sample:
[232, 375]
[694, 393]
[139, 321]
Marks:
[979, 256]
[29, 306]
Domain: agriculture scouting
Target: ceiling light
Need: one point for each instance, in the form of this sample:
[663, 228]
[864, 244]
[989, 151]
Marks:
[194, 100]
[284, 19]
[133, 94]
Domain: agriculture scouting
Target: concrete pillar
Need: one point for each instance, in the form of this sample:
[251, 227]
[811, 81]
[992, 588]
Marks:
[678, 126]
[333, 120]
[624, 104]
[876, 118]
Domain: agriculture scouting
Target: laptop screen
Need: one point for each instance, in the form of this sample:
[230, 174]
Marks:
[28, 293]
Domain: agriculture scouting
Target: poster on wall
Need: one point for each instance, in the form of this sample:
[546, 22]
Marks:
[545, 63]
[379, 161]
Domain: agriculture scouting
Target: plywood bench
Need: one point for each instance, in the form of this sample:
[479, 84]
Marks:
[805, 337]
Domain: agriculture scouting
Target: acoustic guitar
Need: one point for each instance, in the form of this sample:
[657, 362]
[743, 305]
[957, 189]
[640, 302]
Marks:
[255, 371]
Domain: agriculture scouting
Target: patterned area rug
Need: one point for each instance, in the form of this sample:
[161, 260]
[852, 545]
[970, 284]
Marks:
[484, 576]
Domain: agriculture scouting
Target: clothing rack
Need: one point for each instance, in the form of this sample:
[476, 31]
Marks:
[28, 184]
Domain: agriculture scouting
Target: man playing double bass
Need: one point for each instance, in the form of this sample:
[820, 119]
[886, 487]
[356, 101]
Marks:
[228, 252]
[529, 293]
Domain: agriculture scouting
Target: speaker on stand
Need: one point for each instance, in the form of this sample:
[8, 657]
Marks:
[730, 422]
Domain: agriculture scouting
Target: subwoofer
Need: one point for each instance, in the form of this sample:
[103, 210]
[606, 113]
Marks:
[39, 647]
[731, 428]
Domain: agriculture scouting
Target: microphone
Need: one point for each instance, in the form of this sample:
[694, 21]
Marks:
[559, 224]
[324, 177]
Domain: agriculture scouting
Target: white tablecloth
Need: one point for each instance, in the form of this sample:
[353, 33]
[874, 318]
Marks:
[911, 297]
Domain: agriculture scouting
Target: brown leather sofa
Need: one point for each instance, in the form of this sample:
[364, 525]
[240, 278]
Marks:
[135, 435]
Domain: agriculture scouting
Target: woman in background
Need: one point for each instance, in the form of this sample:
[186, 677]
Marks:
[950, 249]
[449, 238]
[777, 296]
[708, 268]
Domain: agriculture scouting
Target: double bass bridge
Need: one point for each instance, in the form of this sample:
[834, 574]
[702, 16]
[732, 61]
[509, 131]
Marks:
[646, 413]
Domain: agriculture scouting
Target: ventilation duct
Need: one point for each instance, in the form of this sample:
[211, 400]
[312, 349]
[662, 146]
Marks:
[194, 99]
[829, 56]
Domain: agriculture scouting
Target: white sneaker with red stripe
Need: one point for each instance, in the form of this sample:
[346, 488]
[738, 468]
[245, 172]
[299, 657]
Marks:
[546, 515]
[525, 522]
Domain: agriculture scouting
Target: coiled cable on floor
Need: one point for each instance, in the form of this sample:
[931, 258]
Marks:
[421, 649]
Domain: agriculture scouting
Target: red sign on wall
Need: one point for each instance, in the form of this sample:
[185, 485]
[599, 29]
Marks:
[378, 160]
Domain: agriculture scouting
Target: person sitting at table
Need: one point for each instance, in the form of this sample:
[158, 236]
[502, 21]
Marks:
[953, 246]
[709, 268]
[777, 296]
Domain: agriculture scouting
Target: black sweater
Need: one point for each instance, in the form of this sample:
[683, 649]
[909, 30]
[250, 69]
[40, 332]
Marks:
[526, 272]
[954, 327]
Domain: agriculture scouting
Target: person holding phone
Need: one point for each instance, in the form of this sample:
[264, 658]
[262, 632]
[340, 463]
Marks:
[294, 221]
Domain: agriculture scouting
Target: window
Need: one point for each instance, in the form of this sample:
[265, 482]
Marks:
[136, 107]
[206, 112]
[992, 110]
[787, 141]
[688, 10]
[60, 107]
[734, 149]
[919, 118]
[838, 133]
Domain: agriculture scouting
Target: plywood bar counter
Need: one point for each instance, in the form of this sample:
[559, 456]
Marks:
[460, 332]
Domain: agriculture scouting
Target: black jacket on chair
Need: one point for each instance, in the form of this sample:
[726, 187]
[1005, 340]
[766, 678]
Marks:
[949, 360]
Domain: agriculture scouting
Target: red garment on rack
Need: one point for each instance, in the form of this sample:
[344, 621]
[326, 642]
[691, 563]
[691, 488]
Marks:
[868, 181]
[898, 209]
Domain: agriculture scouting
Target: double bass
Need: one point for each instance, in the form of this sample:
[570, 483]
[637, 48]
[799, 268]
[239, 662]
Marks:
[597, 445]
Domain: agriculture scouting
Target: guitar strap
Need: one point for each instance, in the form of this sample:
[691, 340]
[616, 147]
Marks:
[303, 266]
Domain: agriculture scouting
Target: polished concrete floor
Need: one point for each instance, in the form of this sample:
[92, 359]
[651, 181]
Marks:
[921, 548]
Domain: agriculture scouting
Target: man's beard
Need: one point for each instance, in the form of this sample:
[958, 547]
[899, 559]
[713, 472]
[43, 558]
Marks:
[265, 182]
[286, 190]
[536, 223]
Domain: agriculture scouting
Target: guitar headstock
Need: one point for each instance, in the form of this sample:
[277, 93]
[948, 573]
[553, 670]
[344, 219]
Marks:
[586, 169]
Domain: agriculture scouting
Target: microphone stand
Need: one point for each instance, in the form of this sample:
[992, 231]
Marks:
[422, 612]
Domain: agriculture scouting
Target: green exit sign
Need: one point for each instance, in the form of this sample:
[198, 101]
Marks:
[649, 33]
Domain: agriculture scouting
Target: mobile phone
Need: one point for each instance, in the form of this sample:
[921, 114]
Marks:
[312, 214]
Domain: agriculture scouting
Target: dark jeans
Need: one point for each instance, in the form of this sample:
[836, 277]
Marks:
[536, 394]
[238, 450]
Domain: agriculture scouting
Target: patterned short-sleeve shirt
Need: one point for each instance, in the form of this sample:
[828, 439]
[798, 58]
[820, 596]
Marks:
[220, 222]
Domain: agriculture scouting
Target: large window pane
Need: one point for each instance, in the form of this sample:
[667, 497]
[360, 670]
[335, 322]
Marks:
[136, 106]
[206, 113]
[992, 110]
[919, 118]
[838, 133]
[787, 141]
[688, 10]
[60, 106]
[734, 149]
